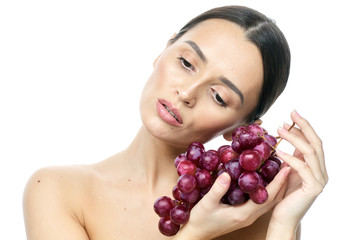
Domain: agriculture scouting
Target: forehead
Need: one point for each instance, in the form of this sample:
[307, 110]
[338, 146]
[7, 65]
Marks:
[228, 51]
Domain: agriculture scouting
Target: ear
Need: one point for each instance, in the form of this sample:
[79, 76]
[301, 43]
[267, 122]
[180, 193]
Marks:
[167, 45]
[228, 135]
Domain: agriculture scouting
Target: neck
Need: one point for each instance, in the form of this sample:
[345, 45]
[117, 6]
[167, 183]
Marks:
[153, 159]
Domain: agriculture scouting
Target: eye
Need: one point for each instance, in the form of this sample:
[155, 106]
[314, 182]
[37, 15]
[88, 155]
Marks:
[218, 98]
[186, 64]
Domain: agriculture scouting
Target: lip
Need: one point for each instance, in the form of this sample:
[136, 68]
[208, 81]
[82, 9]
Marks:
[166, 115]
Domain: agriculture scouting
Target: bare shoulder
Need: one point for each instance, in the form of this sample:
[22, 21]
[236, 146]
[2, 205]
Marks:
[52, 202]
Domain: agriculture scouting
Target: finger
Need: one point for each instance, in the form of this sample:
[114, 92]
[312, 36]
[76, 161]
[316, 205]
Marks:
[309, 181]
[308, 132]
[218, 190]
[310, 156]
[312, 137]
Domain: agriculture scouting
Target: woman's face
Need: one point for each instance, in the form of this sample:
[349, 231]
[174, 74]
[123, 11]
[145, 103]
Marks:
[203, 85]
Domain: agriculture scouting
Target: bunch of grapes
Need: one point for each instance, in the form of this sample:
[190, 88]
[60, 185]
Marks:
[249, 160]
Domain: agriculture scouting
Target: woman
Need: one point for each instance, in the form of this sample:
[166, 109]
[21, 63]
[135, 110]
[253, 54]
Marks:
[224, 69]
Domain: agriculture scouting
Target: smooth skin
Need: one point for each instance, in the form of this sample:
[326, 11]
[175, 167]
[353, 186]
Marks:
[113, 199]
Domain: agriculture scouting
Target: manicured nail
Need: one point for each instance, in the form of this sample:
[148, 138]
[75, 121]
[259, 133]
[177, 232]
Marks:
[296, 113]
[281, 129]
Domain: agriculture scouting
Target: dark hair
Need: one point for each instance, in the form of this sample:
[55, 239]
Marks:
[269, 39]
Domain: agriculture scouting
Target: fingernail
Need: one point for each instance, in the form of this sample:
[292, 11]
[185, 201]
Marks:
[281, 129]
[223, 179]
[296, 113]
[278, 151]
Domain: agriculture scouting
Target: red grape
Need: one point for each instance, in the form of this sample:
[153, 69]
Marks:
[194, 152]
[236, 197]
[209, 160]
[163, 205]
[269, 170]
[186, 183]
[233, 168]
[191, 197]
[260, 195]
[203, 178]
[179, 214]
[250, 160]
[186, 167]
[249, 181]
[227, 155]
[167, 227]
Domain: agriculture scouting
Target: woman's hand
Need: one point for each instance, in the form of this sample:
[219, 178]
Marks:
[210, 218]
[306, 181]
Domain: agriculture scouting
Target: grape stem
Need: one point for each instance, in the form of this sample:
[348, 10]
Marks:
[292, 125]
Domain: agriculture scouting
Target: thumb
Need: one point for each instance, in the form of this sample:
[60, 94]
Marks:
[219, 188]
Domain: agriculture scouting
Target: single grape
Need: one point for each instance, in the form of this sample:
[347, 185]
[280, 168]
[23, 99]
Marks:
[186, 183]
[264, 149]
[249, 181]
[239, 130]
[209, 160]
[194, 152]
[269, 170]
[248, 139]
[260, 195]
[275, 159]
[186, 167]
[163, 205]
[191, 197]
[203, 178]
[236, 197]
[176, 193]
[257, 129]
[271, 139]
[222, 148]
[250, 160]
[227, 155]
[179, 214]
[233, 168]
[179, 158]
[236, 146]
[167, 227]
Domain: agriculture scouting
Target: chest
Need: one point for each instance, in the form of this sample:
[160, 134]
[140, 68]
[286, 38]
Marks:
[126, 212]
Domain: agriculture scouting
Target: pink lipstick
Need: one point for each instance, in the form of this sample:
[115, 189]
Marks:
[168, 112]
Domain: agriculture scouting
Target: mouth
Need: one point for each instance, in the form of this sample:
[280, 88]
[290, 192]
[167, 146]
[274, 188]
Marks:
[168, 112]
[173, 114]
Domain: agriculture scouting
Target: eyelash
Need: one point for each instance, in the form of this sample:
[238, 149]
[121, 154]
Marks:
[185, 64]
[189, 67]
[218, 98]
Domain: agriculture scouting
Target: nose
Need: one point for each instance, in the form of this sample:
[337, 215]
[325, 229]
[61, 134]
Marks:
[187, 97]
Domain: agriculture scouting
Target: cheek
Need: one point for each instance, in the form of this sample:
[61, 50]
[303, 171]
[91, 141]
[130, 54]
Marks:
[213, 125]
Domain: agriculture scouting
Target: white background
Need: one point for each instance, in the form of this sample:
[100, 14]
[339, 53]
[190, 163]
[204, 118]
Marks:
[71, 73]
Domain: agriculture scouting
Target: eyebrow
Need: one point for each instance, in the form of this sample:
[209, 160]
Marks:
[224, 80]
[197, 50]
[228, 83]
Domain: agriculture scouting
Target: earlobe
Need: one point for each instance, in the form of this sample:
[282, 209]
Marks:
[258, 121]
[228, 136]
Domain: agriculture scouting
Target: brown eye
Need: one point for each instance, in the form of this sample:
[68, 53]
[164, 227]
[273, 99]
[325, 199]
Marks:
[218, 99]
[186, 64]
